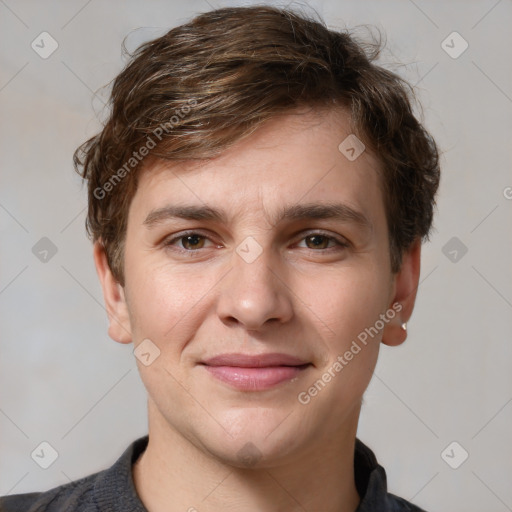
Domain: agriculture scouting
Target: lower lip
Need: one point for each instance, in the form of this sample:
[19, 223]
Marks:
[255, 379]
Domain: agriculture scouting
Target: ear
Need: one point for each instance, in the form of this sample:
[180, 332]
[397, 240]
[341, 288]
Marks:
[115, 301]
[405, 286]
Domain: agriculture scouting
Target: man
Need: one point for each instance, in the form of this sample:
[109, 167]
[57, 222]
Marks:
[257, 201]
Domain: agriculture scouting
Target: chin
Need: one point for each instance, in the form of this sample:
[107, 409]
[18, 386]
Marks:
[254, 441]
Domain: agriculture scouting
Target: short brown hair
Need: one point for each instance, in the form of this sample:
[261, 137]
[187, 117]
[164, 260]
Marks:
[205, 85]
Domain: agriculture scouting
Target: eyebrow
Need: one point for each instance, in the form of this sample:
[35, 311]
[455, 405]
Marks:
[337, 211]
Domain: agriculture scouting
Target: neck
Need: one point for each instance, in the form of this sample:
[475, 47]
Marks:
[173, 474]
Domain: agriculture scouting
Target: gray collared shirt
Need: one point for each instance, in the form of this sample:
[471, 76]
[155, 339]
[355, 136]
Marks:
[113, 490]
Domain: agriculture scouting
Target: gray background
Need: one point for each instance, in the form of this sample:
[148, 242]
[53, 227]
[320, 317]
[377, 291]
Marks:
[65, 382]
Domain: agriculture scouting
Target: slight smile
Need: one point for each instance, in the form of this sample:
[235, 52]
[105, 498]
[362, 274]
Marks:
[255, 372]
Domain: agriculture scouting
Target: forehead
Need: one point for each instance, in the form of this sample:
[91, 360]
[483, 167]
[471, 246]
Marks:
[291, 159]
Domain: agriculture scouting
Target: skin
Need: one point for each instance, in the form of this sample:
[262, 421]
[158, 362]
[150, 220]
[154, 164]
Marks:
[297, 297]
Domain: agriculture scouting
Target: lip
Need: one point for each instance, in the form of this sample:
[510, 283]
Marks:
[254, 361]
[255, 372]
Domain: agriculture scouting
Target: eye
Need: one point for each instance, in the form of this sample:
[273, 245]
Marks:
[321, 241]
[190, 241]
[193, 241]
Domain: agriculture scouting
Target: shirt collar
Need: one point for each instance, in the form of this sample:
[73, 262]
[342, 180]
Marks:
[115, 487]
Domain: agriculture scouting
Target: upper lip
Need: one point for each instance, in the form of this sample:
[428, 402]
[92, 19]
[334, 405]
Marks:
[254, 361]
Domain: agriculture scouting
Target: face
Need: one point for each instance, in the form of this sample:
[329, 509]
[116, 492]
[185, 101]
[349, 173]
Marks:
[258, 288]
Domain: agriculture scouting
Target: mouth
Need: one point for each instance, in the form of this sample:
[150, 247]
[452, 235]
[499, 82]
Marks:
[255, 372]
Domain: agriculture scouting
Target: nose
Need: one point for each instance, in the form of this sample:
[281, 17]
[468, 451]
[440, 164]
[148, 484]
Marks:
[254, 293]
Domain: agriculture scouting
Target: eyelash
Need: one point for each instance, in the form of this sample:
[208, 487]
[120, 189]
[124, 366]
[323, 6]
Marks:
[340, 243]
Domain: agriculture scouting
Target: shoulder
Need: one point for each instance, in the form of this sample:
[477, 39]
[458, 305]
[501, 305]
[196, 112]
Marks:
[397, 504]
[371, 483]
[76, 496]
[105, 491]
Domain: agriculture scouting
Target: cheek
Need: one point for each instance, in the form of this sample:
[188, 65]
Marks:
[346, 305]
[344, 302]
[167, 307]
[165, 303]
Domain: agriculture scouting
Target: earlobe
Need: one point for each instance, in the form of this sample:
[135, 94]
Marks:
[405, 287]
[115, 301]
